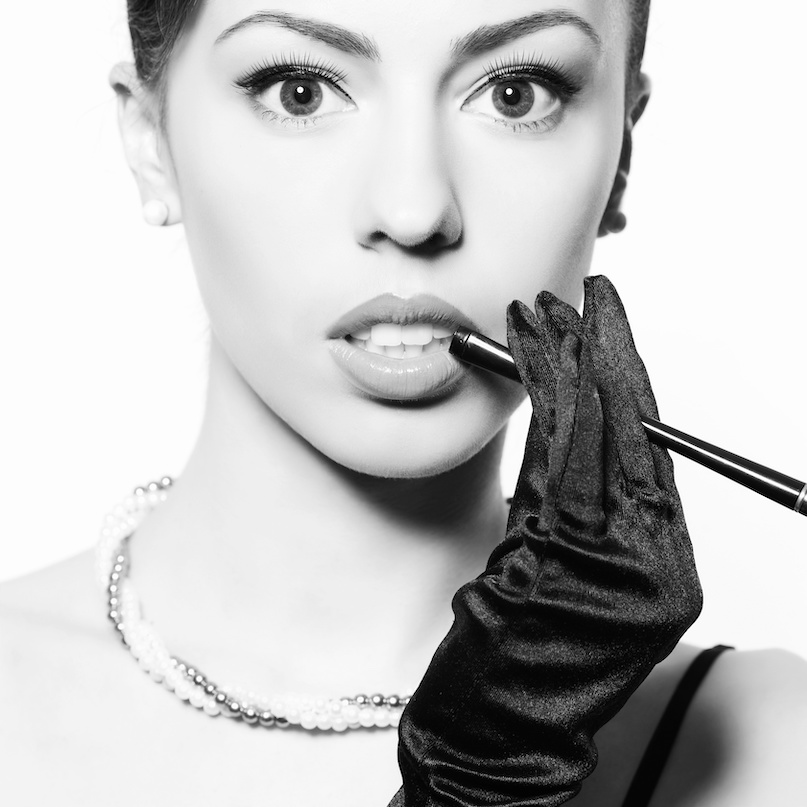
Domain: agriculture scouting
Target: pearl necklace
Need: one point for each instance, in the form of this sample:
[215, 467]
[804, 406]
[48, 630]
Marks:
[185, 680]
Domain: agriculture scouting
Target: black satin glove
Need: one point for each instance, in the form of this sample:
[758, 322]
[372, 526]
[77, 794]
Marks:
[593, 585]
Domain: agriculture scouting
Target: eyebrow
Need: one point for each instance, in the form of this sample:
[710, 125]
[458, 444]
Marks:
[487, 37]
[334, 35]
[480, 40]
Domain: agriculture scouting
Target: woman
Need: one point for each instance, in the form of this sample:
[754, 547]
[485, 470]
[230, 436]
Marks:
[382, 154]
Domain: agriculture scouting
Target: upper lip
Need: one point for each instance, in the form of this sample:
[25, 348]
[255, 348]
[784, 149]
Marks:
[400, 311]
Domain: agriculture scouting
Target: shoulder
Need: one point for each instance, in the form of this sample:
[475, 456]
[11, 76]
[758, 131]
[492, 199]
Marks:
[59, 593]
[763, 689]
[46, 616]
[742, 741]
[761, 698]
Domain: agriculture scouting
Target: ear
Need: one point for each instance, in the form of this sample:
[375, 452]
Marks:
[143, 140]
[613, 220]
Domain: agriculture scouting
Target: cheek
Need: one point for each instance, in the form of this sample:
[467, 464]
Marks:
[256, 214]
[532, 207]
[258, 209]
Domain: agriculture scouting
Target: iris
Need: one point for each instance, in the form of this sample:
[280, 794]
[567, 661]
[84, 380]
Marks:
[300, 96]
[513, 98]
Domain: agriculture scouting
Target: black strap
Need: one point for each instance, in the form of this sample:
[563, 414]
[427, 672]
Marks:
[658, 749]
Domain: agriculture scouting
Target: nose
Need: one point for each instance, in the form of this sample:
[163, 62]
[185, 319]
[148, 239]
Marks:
[407, 197]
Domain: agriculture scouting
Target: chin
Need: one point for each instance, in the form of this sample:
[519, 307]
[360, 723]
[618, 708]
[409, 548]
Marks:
[393, 441]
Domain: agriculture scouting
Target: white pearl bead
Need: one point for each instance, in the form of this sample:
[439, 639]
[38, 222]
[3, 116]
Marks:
[278, 708]
[366, 718]
[173, 679]
[324, 722]
[293, 715]
[338, 723]
[183, 690]
[308, 720]
[395, 719]
[335, 707]
[211, 708]
[198, 697]
[351, 714]
[381, 718]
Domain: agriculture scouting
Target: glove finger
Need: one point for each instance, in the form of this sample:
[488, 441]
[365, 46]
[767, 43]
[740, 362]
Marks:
[576, 484]
[624, 387]
[534, 347]
[607, 323]
[535, 354]
[560, 314]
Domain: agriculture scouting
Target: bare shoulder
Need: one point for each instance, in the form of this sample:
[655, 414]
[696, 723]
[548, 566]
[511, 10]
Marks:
[742, 740]
[45, 618]
[60, 596]
[762, 690]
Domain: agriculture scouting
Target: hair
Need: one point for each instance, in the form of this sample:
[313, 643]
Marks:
[639, 16]
[156, 25]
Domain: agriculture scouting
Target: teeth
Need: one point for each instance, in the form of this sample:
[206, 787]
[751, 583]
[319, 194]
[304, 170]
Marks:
[386, 334]
[402, 351]
[420, 334]
[403, 341]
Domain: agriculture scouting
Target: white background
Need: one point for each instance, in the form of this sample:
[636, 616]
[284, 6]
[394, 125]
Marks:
[103, 337]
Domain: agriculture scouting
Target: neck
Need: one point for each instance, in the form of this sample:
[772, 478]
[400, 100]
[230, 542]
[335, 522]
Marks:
[264, 537]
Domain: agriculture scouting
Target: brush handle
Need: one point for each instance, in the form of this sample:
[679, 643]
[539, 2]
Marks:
[478, 350]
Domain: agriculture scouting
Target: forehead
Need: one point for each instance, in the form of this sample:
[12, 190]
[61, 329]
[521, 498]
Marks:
[420, 28]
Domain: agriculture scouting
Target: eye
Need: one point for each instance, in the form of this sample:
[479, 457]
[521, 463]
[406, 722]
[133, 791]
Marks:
[302, 96]
[516, 102]
[295, 94]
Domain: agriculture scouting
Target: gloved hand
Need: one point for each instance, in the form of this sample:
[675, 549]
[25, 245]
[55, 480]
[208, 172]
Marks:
[593, 585]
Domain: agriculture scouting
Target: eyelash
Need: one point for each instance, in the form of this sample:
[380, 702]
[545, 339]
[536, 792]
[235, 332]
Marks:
[549, 74]
[521, 67]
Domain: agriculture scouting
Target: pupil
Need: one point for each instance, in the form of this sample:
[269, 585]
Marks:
[302, 95]
[511, 96]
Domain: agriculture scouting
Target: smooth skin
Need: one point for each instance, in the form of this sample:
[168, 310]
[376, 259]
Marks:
[316, 536]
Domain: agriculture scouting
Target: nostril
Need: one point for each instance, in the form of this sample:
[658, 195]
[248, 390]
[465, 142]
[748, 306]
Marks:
[435, 243]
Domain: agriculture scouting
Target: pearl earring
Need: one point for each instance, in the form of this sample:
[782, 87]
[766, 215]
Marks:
[613, 222]
[155, 212]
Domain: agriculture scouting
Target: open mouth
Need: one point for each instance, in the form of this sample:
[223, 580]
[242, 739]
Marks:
[396, 348]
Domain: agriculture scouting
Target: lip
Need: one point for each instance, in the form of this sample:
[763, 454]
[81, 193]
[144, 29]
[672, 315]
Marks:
[398, 379]
[401, 311]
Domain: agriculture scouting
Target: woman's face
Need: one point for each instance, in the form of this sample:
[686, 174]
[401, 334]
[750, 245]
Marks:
[347, 167]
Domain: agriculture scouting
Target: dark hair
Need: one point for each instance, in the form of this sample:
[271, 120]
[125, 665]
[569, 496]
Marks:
[156, 25]
[639, 16]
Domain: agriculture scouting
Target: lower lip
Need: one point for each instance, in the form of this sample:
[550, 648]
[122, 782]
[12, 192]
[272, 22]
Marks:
[397, 379]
